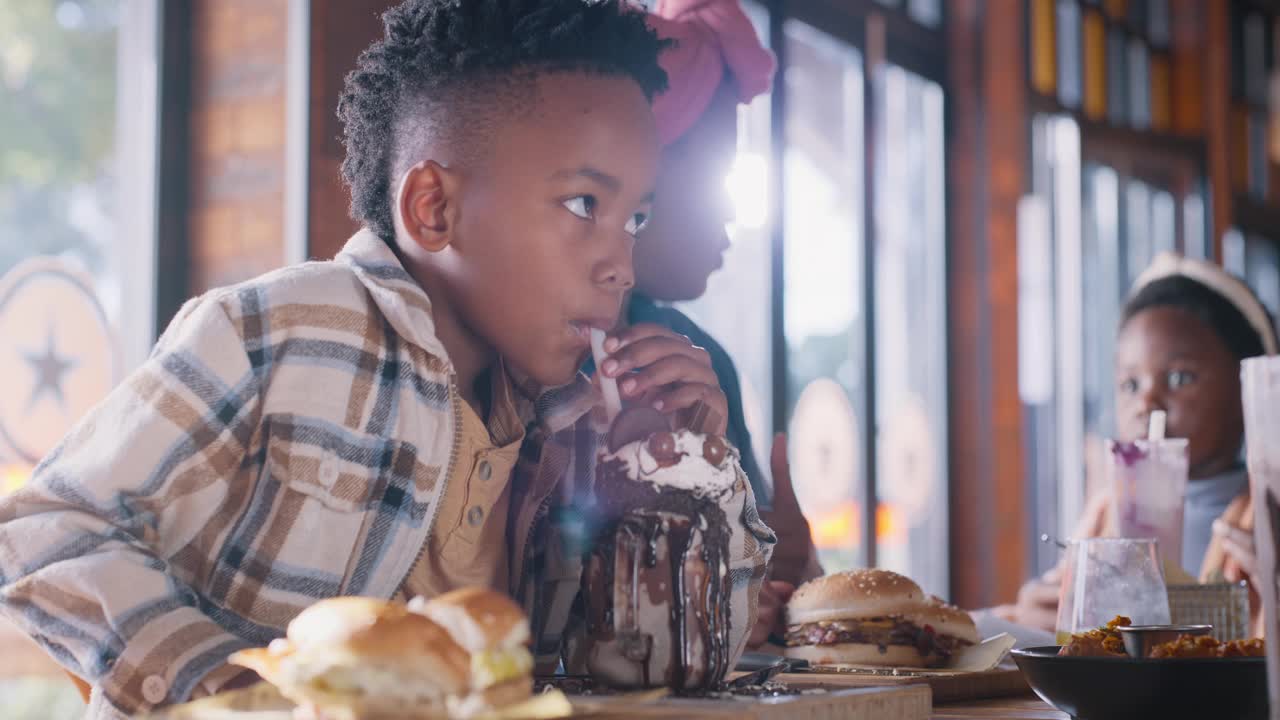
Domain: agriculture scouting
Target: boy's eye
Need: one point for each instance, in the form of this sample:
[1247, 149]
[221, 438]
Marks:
[637, 223]
[584, 206]
[1128, 386]
[1181, 378]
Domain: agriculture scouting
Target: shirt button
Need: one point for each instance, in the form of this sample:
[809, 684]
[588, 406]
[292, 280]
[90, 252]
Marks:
[328, 472]
[486, 470]
[154, 689]
[475, 516]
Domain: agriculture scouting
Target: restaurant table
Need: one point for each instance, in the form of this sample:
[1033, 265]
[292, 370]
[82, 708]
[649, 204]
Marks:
[1019, 708]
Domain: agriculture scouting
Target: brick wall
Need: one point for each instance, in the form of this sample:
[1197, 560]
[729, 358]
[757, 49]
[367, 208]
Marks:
[339, 31]
[238, 111]
[237, 161]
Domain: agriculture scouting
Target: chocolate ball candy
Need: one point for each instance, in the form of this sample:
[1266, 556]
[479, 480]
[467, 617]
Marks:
[662, 446]
[715, 449]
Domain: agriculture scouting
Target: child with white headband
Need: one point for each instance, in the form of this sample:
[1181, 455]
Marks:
[1183, 332]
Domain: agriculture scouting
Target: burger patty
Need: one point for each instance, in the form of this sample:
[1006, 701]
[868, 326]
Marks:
[882, 632]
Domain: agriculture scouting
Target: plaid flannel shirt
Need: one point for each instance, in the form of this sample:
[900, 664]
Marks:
[288, 440]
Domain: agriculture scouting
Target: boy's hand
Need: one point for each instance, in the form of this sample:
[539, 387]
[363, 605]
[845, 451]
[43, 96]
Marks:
[658, 366]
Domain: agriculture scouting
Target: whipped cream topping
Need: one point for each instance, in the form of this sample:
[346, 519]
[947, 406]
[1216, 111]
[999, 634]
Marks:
[692, 472]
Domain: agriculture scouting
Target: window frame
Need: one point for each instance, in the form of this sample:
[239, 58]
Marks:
[135, 254]
[883, 36]
[141, 75]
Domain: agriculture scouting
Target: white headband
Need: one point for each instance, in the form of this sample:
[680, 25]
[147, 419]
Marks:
[1231, 288]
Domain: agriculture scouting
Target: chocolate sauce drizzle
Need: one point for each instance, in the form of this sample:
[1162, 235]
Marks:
[638, 515]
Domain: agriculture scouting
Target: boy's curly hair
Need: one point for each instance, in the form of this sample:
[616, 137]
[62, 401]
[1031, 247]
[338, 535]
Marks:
[446, 69]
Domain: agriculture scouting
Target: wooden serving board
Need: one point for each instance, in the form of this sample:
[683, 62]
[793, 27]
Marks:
[901, 702]
[948, 687]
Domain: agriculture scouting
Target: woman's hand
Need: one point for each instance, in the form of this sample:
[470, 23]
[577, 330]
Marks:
[1037, 604]
[772, 616]
[1242, 559]
[1240, 564]
[795, 544]
[659, 367]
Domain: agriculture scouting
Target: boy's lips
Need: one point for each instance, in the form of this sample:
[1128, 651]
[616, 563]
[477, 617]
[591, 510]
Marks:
[581, 329]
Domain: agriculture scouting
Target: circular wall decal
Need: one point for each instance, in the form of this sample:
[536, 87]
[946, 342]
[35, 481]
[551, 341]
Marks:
[57, 354]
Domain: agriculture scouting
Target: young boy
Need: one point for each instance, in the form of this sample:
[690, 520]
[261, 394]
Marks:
[352, 427]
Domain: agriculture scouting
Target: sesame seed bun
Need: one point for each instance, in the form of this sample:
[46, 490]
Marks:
[853, 595]
[945, 620]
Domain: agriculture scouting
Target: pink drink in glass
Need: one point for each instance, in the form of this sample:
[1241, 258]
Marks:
[1149, 484]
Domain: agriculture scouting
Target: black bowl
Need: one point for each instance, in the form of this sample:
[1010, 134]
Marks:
[1122, 688]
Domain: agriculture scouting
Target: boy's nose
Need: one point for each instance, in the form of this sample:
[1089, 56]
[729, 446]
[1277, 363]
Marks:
[616, 277]
[615, 271]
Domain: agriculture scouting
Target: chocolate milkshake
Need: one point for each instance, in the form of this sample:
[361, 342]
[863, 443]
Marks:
[656, 583]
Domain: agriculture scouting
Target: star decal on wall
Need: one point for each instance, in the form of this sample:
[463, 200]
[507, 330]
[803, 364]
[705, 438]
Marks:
[50, 368]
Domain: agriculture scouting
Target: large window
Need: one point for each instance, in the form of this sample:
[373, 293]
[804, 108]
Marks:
[911, 328]
[77, 118]
[824, 291]
[78, 91]
[862, 292]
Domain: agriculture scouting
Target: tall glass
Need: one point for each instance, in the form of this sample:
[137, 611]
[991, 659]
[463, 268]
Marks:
[656, 596]
[1149, 485]
[1106, 577]
[1260, 387]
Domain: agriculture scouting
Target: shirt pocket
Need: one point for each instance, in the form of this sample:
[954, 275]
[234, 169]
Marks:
[302, 530]
[339, 469]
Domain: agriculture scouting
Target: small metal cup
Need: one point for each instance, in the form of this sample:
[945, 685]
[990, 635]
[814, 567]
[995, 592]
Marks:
[1139, 640]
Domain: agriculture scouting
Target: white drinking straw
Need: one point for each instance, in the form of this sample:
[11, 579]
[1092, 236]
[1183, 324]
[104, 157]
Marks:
[1156, 424]
[608, 386]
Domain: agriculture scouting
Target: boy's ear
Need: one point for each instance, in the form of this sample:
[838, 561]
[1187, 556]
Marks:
[425, 205]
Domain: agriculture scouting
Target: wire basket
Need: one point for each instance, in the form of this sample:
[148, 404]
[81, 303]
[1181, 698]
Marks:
[1225, 606]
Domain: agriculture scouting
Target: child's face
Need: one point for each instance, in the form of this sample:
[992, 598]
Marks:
[686, 240]
[544, 233]
[1169, 359]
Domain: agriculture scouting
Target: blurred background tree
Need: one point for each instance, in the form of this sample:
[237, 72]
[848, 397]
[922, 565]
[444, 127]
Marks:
[57, 128]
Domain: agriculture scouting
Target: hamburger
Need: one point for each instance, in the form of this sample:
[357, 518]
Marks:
[494, 632]
[873, 617]
[350, 657]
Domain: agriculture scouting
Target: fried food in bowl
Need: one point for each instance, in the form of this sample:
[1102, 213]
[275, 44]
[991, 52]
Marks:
[1187, 646]
[1102, 642]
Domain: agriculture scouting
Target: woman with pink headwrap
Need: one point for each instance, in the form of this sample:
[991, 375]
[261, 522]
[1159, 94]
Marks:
[717, 62]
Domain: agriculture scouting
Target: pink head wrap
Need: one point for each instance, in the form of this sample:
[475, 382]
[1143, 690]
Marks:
[712, 37]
